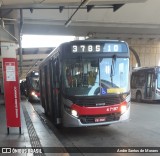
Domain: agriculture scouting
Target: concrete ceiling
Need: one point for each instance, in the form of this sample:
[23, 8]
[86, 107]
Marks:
[94, 18]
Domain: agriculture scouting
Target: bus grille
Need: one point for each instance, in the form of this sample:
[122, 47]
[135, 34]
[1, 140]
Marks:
[98, 102]
[91, 119]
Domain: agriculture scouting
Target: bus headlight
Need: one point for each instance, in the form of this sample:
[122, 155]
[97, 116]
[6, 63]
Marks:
[71, 111]
[33, 94]
[74, 113]
[123, 109]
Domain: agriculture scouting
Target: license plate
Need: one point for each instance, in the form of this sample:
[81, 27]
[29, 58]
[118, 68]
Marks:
[100, 119]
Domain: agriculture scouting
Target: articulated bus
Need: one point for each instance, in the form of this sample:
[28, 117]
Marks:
[145, 84]
[86, 83]
[32, 86]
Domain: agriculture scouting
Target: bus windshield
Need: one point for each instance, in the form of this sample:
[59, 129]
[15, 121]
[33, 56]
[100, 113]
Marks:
[35, 83]
[90, 77]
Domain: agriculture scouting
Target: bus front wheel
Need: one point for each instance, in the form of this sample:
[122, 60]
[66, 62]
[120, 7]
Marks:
[138, 97]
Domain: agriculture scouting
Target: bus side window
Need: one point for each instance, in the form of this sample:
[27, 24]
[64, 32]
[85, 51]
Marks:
[137, 80]
[57, 73]
[141, 80]
[133, 81]
[153, 85]
[153, 82]
[68, 77]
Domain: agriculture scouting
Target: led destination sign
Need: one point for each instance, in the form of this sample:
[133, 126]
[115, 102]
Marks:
[107, 47]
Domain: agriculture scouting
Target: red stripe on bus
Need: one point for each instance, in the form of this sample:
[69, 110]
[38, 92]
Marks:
[38, 94]
[98, 110]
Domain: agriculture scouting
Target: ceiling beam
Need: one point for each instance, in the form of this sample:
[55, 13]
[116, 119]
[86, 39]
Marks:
[61, 9]
[117, 6]
[89, 7]
[4, 13]
[34, 56]
[101, 6]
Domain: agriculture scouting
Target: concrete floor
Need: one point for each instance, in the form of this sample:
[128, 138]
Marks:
[33, 132]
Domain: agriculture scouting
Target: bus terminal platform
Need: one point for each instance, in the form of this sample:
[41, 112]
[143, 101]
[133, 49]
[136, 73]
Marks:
[34, 134]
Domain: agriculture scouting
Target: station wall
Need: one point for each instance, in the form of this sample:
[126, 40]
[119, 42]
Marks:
[148, 51]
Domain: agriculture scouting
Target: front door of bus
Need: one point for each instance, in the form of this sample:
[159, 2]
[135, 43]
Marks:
[149, 85]
[54, 67]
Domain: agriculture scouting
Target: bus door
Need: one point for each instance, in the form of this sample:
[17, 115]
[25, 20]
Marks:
[55, 91]
[149, 85]
[46, 90]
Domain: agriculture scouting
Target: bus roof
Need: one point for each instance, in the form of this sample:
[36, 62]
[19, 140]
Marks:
[145, 68]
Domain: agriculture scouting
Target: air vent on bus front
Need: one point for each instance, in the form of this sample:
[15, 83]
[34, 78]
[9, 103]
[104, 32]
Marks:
[98, 102]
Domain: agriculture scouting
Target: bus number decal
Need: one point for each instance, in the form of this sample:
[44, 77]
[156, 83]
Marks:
[109, 48]
[112, 109]
[112, 47]
[90, 48]
[82, 48]
[98, 48]
[74, 48]
[115, 48]
[86, 48]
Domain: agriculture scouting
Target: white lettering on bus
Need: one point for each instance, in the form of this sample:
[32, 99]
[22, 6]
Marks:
[15, 101]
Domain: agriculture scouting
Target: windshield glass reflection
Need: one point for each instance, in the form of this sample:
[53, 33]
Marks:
[90, 77]
[35, 83]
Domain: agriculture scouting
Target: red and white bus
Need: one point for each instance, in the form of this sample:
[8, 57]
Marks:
[86, 83]
[32, 86]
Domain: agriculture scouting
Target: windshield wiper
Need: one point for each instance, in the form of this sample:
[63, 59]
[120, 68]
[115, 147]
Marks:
[113, 66]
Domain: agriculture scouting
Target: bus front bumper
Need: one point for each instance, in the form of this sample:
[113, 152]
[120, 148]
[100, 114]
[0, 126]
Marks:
[71, 121]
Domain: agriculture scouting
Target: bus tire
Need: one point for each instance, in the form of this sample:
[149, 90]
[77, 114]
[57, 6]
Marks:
[138, 97]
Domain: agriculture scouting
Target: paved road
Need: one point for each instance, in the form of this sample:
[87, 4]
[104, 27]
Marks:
[142, 130]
